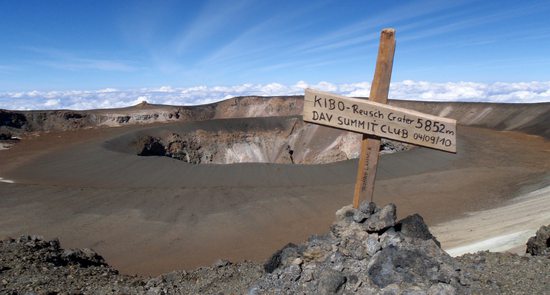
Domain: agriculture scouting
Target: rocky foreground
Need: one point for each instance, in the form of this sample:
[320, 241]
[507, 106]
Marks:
[366, 252]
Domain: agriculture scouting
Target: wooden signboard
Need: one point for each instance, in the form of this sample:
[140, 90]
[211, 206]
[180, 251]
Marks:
[375, 119]
[378, 119]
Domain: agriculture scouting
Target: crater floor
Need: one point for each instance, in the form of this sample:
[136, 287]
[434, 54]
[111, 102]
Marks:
[150, 215]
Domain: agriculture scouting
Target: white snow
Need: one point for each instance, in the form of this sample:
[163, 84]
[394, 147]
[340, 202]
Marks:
[496, 244]
[506, 228]
[6, 180]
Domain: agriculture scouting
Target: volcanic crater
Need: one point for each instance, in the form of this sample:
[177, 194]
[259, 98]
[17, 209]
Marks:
[279, 140]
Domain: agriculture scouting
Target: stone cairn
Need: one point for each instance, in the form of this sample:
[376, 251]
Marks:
[365, 252]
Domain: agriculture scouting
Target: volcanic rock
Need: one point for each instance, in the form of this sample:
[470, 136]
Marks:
[150, 146]
[539, 245]
[188, 150]
[84, 257]
[12, 119]
[381, 219]
[283, 255]
[413, 226]
[5, 136]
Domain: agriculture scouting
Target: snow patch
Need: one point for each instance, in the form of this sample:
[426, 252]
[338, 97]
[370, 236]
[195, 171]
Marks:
[245, 153]
[499, 229]
[496, 244]
[5, 146]
[6, 180]
[447, 110]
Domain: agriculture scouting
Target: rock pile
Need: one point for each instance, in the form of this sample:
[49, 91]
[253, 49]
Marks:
[366, 252]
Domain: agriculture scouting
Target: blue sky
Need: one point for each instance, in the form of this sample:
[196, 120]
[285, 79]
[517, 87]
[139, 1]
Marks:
[51, 49]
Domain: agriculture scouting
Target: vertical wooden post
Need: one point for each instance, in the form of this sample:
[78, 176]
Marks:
[370, 145]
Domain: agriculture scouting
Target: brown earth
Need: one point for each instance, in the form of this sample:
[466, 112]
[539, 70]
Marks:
[142, 213]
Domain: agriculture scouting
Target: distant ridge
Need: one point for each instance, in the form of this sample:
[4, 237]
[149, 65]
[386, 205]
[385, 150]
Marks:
[529, 118]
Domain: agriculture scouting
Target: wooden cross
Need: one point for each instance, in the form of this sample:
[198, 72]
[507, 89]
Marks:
[375, 119]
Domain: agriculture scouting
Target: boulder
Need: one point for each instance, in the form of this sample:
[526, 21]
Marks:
[83, 257]
[290, 250]
[381, 219]
[539, 245]
[331, 282]
[414, 226]
[5, 136]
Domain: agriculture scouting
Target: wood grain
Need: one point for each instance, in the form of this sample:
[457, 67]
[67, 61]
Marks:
[370, 145]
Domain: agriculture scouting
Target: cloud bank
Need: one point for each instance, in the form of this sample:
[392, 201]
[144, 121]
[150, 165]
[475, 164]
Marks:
[519, 92]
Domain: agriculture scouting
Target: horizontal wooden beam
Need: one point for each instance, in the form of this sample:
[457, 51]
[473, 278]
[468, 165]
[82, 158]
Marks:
[367, 117]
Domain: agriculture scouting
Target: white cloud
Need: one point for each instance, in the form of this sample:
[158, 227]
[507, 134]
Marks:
[526, 92]
[52, 102]
[519, 92]
[165, 89]
[301, 85]
[107, 90]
